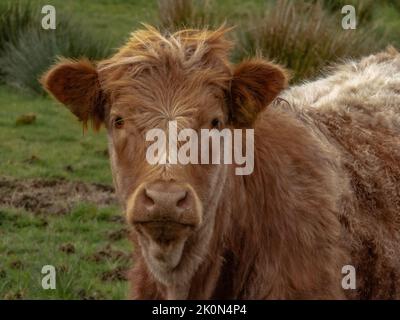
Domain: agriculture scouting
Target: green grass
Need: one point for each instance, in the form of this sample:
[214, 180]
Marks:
[114, 19]
[27, 50]
[388, 20]
[54, 146]
[28, 242]
[310, 39]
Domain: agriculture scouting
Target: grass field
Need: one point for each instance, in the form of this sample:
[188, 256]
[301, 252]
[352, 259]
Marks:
[87, 246]
[56, 201]
[117, 18]
[54, 148]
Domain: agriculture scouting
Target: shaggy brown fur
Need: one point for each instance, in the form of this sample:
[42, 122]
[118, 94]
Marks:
[358, 109]
[325, 191]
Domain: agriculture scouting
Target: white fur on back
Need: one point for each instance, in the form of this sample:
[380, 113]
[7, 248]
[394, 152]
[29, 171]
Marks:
[377, 75]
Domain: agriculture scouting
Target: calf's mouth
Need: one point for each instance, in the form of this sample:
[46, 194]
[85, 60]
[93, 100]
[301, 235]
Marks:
[164, 216]
[163, 232]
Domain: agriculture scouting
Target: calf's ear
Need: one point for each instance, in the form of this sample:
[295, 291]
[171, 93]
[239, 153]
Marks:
[255, 84]
[76, 85]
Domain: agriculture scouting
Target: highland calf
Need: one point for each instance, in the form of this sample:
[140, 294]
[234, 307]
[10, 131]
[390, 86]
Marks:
[324, 193]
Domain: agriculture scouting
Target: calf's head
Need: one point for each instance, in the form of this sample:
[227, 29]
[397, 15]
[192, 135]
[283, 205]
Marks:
[185, 77]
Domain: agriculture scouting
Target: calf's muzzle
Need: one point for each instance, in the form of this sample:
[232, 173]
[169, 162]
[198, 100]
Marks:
[164, 211]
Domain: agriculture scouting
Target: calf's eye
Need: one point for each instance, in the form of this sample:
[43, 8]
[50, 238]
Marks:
[118, 123]
[215, 123]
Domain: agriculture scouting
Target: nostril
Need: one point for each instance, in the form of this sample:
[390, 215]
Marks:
[183, 201]
[148, 200]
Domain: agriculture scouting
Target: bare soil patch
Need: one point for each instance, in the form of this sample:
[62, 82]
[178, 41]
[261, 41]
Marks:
[117, 274]
[52, 196]
[118, 234]
[67, 248]
[109, 253]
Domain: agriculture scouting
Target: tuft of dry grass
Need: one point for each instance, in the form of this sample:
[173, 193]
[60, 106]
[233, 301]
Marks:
[22, 42]
[364, 8]
[177, 14]
[303, 36]
[14, 18]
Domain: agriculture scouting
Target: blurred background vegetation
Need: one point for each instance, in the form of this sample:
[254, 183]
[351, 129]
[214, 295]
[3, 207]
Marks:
[303, 35]
[41, 141]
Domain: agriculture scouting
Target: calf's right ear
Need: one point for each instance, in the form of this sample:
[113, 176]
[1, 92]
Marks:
[76, 85]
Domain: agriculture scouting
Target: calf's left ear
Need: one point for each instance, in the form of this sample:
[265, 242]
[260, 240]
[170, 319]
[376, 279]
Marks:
[255, 84]
[75, 84]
